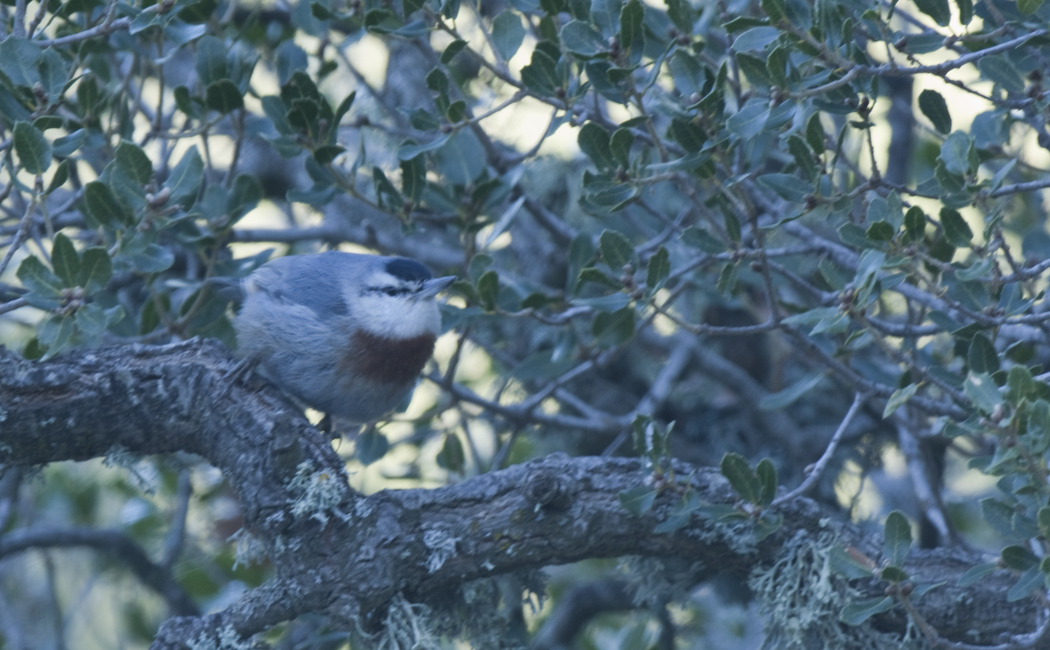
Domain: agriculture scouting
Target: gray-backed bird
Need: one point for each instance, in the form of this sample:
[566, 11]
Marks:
[346, 334]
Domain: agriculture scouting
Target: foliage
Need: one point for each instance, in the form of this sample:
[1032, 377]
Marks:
[777, 204]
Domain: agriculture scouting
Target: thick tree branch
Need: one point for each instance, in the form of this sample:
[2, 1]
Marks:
[347, 556]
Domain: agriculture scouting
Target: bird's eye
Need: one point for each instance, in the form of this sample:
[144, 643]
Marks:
[392, 291]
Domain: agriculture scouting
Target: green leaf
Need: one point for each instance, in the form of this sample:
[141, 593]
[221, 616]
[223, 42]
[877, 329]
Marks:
[370, 447]
[452, 49]
[594, 142]
[978, 573]
[755, 39]
[102, 205]
[327, 153]
[507, 34]
[983, 357]
[899, 398]
[1000, 517]
[767, 476]
[96, 269]
[488, 289]
[848, 564]
[981, 389]
[790, 394]
[38, 278]
[786, 186]
[999, 70]
[56, 333]
[767, 524]
[582, 39]
[461, 159]
[290, 59]
[1019, 558]
[727, 279]
[59, 178]
[966, 9]
[54, 74]
[1020, 384]
[638, 500]
[915, 223]
[65, 260]
[1030, 580]
[688, 134]
[33, 149]
[697, 237]
[133, 162]
[858, 612]
[613, 328]
[223, 96]
[19, 61]
[154, 258]
[956, 230]
[615, 249]
[620, 144]
[185, 179]
[413, 177]
[893, 574]
[815, 133]
[244, 196]
[211, 60]
[935, 109]
[681, 513]
[1026, 7]
[747, 123]
[451, 457]
[775, 9]
[659, 269]
[741, 478]
[955, 153]
[897, 539]
[91, 321]
[632, 30]
[681, 14]
[541, 75]
[936, 9]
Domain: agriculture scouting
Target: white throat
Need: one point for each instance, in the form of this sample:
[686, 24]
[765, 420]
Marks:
[396, 316]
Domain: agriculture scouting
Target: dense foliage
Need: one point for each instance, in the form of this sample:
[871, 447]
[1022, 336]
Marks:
[794, 230]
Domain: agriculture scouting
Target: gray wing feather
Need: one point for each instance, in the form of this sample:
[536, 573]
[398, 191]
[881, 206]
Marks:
[313, 281]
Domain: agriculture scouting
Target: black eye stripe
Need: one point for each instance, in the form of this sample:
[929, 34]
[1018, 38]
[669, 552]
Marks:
[388, 290]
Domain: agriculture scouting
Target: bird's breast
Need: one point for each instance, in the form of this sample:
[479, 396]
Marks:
[386, 360]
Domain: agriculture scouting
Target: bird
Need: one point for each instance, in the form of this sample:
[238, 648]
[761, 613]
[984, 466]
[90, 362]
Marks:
[346, 334]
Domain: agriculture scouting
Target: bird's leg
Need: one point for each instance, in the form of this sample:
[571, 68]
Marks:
[326, 425]
[237, 374]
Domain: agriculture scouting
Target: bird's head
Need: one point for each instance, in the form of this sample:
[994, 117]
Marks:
[394, 298]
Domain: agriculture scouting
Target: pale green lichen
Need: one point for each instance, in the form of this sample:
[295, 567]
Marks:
[248, 550]
[487, 613]
[319, 494]
[226, 638]
[653, 582]
[442, 546]
[408, 626]
[118, 456]
[800, 599]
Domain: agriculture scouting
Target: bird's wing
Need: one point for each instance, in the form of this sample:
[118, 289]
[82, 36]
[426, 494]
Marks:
[307, 280]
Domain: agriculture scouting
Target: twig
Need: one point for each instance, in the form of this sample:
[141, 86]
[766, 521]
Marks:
[822, 463]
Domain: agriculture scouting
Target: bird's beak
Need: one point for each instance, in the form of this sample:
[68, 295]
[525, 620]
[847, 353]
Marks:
[433, 287]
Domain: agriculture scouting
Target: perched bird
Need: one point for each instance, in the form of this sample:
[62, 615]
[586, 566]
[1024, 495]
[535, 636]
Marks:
[346, 334]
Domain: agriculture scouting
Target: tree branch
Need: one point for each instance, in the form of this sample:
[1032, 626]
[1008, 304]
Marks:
[346, 555]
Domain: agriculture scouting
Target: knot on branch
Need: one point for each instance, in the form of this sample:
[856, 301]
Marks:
[547, 489]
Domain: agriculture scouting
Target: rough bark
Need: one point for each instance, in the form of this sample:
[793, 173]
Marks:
[346, 555]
